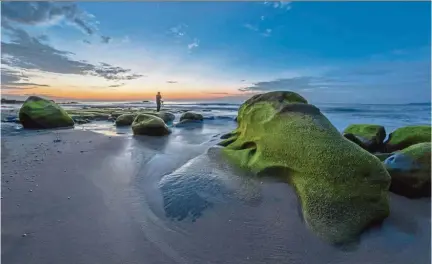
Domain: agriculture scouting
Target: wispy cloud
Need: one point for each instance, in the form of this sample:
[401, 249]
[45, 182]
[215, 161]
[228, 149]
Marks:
[193, 45]
[12, 79]
[251, 27]
[286, 5]
[116, 85]
[179, 30]
[267, 32]
[171, 82]
[106, 39]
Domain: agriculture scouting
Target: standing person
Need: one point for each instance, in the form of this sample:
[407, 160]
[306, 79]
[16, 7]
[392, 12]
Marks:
[158, 101]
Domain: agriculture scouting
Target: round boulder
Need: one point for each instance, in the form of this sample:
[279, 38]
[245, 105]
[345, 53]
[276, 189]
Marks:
[149, 125]
[125, 119]
[40, 113]
[410, 171]
[191, 116]
[370, 136]
[404, 137]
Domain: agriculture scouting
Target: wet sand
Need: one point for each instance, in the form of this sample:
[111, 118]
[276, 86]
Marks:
[79, 197]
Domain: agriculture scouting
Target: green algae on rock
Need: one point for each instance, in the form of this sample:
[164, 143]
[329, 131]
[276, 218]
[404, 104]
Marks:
[149, 125]
[371, 136]
[37, 112]
[406, 136]
[125, 119]
[343, 189]
[191, 116]
[410, 171]
[167, 117]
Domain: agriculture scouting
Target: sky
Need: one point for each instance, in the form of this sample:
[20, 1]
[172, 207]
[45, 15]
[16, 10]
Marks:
[329, 52]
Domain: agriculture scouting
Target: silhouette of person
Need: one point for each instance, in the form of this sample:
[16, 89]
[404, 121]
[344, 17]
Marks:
[158, 101]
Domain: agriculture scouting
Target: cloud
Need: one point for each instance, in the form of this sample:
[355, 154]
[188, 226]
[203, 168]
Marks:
[116, 85]
[249, 26]
[179, 30]
[372, 78]
[106, 39]
[194, 44]
[285, 5]
[29, 53]
[86, 41]
[46, 13]
[267, 32]
[14, 79]
[216, 93]
[262, 18]
[172, 82]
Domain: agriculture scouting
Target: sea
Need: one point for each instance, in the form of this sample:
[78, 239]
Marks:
[391, 116]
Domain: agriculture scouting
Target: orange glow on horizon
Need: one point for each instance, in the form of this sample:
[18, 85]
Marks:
[119, 95]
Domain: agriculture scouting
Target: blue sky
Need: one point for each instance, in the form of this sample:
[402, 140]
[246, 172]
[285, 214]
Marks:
[344, 52]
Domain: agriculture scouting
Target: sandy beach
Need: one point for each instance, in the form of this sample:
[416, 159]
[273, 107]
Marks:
[71, 196]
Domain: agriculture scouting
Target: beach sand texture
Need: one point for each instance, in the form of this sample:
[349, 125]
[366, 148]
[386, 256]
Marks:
[71, 196]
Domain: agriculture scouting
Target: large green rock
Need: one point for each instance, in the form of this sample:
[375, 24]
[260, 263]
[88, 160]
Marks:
[410, 171]
[370, 136]
[343, 189]
[149, 125]
[406, 136]
[125, 119]
[37, 112]
[191, 116]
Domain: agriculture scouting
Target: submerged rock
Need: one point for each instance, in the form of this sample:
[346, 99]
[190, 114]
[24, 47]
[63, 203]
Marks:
[343, 189]
[410, 171]
[369, 137]
[149, 125]
[125, 119]
[191, 116]
[406, 136]
[37, 112]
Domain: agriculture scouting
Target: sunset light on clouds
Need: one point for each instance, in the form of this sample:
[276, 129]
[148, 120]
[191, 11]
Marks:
[120, 51]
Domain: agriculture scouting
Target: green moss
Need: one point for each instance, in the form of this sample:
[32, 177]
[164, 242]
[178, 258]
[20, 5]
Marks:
[342, 188]
[37, 112]
[167, 117]
[191, 116]
[125, 120]
[149, 125]
[370, 132]
[406, 136]
[382, 156]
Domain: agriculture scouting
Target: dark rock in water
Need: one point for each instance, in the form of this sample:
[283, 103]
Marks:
[206, 110]
[410, 171]
[81, 121]
[404, 137]
[125, 120]
[11, 101]
[369, 137]
[342, 188]
[37, 112]
[191, 116]
[189, 122]
[149, 125]
[11, 119]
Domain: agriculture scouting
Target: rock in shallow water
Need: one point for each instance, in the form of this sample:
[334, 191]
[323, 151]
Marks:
[149, 125]
[370, 136]
[191, 116]
[406, 136]
[37, 112]
[410, 170]
[125, 120]
[343, 189]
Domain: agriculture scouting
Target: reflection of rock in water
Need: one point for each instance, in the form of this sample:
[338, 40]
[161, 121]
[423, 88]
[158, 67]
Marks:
[203, 182]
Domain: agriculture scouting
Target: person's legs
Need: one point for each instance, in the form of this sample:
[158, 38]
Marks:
[158, 107]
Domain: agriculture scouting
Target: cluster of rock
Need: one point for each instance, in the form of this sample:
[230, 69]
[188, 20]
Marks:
[40, 113]
[406, 154]
[342, 186]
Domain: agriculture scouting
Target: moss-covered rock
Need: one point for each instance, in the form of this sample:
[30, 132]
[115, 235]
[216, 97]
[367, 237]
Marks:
[342, 188]
[410, 170]
[37, 112]
[406, 136]
[125, 119]
[371, 136]
[167, 117]
[382, 156]
[191, 116]
[149, 125]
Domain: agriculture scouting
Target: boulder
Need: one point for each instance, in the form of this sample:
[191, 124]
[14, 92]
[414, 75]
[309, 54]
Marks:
[406, 136]
[167, 117]
[149, 125]
[410, 171]
[125, 119]
[342, 188]
[37, 112]
[370, 136]
[191, 116]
